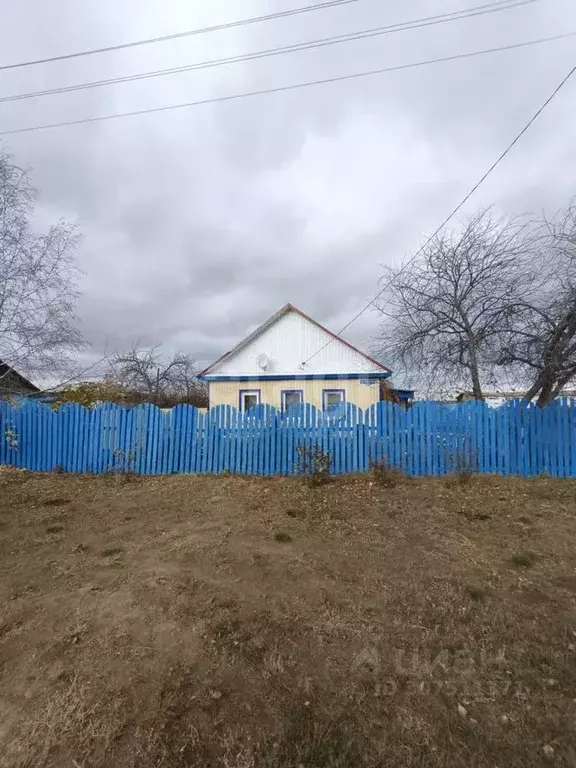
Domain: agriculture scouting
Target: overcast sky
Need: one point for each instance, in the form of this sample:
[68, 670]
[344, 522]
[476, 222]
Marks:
[201, 222]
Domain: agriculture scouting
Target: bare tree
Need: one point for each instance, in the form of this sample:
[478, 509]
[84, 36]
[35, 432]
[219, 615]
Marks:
[184, 385]
[540, 346]
[151, 377]
[446, 311]
[38, 281]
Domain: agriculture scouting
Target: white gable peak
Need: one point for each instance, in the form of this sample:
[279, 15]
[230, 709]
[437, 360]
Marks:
[291, 344]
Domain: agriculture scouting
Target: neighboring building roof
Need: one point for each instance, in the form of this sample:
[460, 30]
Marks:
[12, 381]
[285, 310]
[403, 394]
[491, 395]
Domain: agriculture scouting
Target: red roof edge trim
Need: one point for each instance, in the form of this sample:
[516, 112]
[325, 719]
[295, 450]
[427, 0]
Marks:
[339, 338]
[290, 308]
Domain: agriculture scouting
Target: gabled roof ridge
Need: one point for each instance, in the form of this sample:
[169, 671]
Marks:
[6, 368]
[272, 319]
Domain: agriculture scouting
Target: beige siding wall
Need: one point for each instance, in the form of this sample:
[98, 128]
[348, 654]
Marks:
[228, 392]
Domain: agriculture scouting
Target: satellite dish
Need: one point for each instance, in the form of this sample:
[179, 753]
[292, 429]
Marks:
[262, 361]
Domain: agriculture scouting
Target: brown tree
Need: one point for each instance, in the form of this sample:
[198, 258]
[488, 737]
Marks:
[540, 346]
[447, 310]
[151, 377]
[38, 281]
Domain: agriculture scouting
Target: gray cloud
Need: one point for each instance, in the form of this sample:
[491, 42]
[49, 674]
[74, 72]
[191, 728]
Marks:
[199, 223]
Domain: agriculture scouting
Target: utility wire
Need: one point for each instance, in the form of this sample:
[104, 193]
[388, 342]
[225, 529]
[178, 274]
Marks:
[293, 87]
[481, 10]
[464, 200]
[188, 33]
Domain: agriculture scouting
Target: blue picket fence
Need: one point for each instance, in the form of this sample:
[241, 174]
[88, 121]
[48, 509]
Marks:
[429, 439]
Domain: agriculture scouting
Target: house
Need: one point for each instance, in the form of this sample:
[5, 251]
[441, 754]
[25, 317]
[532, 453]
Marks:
[292, 359]
[13, 384]
[496, 399]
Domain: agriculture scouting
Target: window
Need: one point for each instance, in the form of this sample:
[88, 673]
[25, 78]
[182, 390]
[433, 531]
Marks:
[291, 397]
[332, 397]
[249, 398]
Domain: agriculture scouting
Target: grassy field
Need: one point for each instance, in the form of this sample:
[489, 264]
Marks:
[234, 622]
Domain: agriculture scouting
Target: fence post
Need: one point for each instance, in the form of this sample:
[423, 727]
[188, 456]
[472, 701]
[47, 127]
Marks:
[517, 438]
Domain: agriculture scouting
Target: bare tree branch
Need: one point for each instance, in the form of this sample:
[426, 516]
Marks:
[447, 311]
[542, 348]
[38, 281]
[150, 377]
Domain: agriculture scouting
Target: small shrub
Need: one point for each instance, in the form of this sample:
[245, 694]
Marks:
[314, 479]
[524, 559]
[283, 538]
[463, 464]
[387, 477]
[129, 477]
[458, 477]
[463, 476]
[314, 464]
[11, 437]
[120, 477]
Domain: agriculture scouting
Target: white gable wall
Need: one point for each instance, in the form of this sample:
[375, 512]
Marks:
[287, 343]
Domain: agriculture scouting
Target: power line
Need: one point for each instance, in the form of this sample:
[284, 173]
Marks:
[283, 88]
[481, 10]
[464, 200]
[188, 33]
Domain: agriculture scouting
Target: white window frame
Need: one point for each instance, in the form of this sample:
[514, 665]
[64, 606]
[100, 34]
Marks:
[292, 392]
[325, 392]
[243, 393]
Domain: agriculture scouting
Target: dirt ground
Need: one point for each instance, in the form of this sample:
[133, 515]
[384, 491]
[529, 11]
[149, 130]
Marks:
[235, 622]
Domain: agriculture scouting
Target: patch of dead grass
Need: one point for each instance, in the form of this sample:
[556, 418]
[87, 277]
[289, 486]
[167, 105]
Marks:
[392, 631]
[524, 559]
[386, 476]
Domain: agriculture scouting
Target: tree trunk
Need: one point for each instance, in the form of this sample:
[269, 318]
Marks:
[531, 393]
[542, 380]
[546, 394]
[476, 386]
[157, 388]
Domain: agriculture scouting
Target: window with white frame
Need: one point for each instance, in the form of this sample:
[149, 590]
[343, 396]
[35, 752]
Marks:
[291, 397]
[332, 397]
[249, 398]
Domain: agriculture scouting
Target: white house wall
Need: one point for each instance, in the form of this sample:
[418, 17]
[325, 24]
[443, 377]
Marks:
[287, 343]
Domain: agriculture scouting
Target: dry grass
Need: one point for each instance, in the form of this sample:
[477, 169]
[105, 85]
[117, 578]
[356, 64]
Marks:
[387, 477]
[162, 623]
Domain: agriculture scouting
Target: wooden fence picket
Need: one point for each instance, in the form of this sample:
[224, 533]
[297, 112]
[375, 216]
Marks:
[429, 439]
